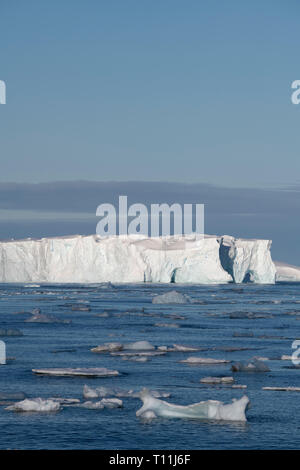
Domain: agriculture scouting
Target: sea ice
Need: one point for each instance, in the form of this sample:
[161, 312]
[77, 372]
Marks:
[172, 297]
[211, 409]
[252, 366]
[204, 360]
[35, 404]
[68, 372]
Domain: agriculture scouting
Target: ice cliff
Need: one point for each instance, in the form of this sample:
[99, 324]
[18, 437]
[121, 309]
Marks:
[86, 259]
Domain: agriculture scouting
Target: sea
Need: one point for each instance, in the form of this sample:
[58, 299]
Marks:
[232, 322]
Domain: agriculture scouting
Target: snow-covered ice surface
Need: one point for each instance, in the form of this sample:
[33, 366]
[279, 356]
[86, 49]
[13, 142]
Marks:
[212, 326]
[89, 259]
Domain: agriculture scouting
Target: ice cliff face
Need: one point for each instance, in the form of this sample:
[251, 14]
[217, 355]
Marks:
[136, 259]
[247, 259]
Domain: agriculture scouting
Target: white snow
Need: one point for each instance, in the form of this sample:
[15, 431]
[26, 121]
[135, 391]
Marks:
[287, 272]
[35, 404]
[211, 409]
[92, 259]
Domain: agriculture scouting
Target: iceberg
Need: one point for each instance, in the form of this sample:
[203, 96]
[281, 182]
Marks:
[136, 258]
[211, 409]
[287, 272]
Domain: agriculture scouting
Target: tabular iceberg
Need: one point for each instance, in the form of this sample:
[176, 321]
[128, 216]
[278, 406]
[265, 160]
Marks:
[135, 258]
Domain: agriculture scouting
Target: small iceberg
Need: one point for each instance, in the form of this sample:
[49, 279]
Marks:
[211, 409]
[81, 372]
[35, 404]
[172, 297]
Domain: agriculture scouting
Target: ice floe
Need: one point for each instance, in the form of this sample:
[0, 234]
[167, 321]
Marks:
[211, 409]
[35, 404]
[217, 380]
[204, 360]
[103, 392]
[83, 372]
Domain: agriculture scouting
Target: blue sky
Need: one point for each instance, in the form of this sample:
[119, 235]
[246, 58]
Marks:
[195, 91]
[190, 92]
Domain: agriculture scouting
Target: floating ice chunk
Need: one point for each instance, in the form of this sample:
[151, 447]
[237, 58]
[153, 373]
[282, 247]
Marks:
[35, 404]
[210, 409]
[89, 392]
[111, 403]
[65, 401]
[68, 372]
[217, 380]
[138, 353]
[107, 347]
[183, 348]
[140, 345]
[282, 389]
[93, 405]
[103, 392]
[252, 366]
[172, 297]
[204, 360]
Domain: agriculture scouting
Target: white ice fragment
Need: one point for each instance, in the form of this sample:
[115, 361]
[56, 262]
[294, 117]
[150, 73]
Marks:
[211, 409]
[68, 372]
[35, 404]
[217, 380]
[204, 360]
[282, 389]
[107, 347]
[104, 392]
[111, 403]
[172, 297]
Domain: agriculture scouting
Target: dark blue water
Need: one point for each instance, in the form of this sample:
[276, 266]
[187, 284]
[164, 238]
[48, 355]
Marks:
[273, 419]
